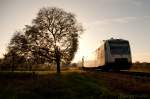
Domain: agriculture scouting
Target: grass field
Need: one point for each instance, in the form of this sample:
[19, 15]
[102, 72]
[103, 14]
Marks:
[71, 85]
[140, 68]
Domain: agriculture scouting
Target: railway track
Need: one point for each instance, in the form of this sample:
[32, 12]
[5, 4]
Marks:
[131, 73]
[136, 74]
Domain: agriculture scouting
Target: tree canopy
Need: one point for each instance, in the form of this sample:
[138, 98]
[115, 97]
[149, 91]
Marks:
[52, 37]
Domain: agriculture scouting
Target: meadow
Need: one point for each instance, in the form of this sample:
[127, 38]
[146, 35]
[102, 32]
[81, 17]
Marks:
[71, 85]
[141, 67]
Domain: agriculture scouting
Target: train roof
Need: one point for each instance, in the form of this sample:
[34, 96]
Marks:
[112, 39]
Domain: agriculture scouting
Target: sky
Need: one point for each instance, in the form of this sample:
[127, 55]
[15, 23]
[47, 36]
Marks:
[101, 19]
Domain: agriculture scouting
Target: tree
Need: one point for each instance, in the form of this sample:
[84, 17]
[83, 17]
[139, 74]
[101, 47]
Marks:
[52, 37]
[22, 51]
[12, 60]
[58, 33]
[18, 51]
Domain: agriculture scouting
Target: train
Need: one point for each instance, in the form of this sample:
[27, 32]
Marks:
[113, 54]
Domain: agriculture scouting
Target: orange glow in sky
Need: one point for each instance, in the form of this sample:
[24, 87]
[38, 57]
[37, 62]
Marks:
[101, 19]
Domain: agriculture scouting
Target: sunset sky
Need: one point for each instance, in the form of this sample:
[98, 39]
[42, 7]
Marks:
[101, 19]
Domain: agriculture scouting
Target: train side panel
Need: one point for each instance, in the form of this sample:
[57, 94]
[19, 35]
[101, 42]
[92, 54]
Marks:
[100, 59]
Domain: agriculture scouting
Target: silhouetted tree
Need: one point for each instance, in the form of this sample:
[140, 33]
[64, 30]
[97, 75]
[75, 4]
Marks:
[53, 37]
[56, 33]
[12, 60]
[1, 63]
[17, 50]
[21, 46]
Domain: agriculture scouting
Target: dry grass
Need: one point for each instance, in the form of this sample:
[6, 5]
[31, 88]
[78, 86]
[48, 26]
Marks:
[125, 83]
[140, 68]
[72, 85]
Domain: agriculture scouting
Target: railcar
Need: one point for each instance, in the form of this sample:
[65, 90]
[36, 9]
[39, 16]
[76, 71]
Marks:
[113, 54]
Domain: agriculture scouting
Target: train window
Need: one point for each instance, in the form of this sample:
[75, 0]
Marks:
[119, 48]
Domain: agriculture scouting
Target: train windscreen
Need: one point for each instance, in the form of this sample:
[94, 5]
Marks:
[120, 47]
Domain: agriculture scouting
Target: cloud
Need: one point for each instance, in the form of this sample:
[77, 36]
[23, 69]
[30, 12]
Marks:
[136, 2]
[122, 20]
[132, 2]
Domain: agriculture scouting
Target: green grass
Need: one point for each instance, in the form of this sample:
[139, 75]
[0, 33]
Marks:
[51, 86]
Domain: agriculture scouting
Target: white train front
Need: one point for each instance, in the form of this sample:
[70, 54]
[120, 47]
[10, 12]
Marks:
[113, 54]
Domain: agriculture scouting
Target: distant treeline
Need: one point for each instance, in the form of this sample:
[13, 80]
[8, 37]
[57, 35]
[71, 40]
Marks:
[23, 65]
[141, 63]
[141, 67]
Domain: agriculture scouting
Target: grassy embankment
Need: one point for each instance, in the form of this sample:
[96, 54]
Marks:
[75, 85]
[140, 68]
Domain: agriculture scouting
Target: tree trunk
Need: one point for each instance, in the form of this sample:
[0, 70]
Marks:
[57, 53]
[13, 65]
[30, 67]
[58, 67]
